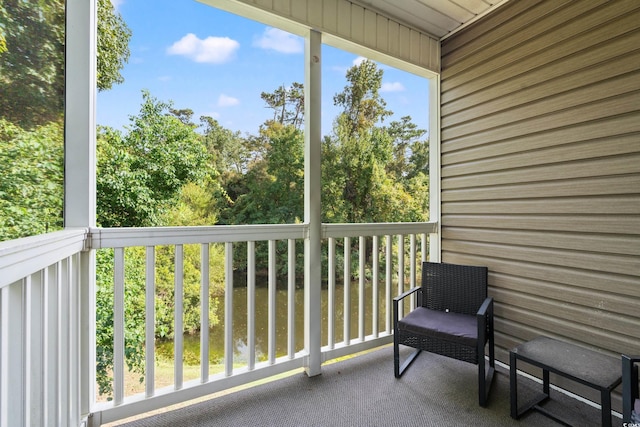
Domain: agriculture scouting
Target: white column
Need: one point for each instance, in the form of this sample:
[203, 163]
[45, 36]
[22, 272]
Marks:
[312, 204]
[80, 110]
[80, 172]
[434, 168]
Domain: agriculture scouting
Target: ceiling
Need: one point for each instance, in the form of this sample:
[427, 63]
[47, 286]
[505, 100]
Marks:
[439, 18]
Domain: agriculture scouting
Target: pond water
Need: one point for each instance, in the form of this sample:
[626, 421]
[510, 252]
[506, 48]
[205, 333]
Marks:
[216, 336]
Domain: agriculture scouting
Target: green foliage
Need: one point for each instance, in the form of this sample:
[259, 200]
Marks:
[134, 316]
[31, 68]
[134, 298]
[141, 173]
[156, 173]
[372, 173]
[31, 188]
[32, 39]
[230, 152]
[165, 289]
[113, 45]
[274, 186]
[3, 18]
[362, 103]
[287, 104]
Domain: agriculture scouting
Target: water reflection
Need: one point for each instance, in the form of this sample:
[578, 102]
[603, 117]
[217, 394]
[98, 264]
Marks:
[240, 340]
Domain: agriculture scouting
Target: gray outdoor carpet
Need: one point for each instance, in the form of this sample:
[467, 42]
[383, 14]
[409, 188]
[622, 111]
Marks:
[362, 391]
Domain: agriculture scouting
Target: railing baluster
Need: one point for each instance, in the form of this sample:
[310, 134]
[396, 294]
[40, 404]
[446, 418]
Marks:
[401, 270]
[331, 293]
[31, 352]
[118, 325]
[347, 290]
[361, 279]
[50, 339]
[251, 304]
[178, 318]
[271, 322]
[424, 248]
[63, 343]
[228, 310]
[74, 340]
[291, 303]
[150, 321]
[412, 257]
[204, 313]
[388, 282]
[12, 388]
[375, 288]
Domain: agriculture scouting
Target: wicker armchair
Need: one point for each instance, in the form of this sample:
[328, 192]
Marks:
[630, 396]
[454, 318]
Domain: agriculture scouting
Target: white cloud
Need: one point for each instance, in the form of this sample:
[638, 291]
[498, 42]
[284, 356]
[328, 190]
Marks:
[164, 78]
[212, 50]
[212, 114]
[392, 87]
[116, 3]
[227, 101]
[359, 60]
[280, 41]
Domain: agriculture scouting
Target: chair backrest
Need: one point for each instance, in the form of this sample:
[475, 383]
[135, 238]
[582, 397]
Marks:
[453, 287]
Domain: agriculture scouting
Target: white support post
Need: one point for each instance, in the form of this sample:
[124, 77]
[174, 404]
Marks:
[80, 119]
[435, 199]
[80, 175]
[312, 203]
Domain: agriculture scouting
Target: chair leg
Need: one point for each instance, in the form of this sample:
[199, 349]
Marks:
[485, 375]
[397, 369]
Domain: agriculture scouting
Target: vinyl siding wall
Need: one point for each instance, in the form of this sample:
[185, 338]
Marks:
[541, 168]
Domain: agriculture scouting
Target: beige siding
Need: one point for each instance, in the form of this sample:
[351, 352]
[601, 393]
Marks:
[541, 168]
[341, 20]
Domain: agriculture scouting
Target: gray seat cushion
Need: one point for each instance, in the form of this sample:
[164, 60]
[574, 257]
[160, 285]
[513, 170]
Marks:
[461, 328]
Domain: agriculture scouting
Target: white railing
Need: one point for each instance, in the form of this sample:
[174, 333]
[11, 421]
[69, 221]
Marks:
[47, 330]
[43, 356]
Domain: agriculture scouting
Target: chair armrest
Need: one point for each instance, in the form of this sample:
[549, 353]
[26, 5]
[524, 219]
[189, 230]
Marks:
[486, 307]
[397, 300]
[406, 294]
[629, 385]
[484, 317]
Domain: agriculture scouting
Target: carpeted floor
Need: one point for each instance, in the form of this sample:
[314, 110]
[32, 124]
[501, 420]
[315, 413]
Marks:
[362, 391]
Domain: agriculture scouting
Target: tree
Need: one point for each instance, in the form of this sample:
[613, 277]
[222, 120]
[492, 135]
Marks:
[32, 58]
[368, 169]
[363, 106]
[31, 68]
[113, 45]
[31, 187]
[140, 173]
[287, 104]
[148, 176]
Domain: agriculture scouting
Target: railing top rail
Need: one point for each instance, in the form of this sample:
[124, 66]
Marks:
[377, 229]
[152, 236]
[22, 257]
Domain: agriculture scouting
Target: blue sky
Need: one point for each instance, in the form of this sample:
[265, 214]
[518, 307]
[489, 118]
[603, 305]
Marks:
[217, 64]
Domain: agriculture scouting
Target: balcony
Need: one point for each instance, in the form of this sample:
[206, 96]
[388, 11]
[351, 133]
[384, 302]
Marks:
[48, 295]
[534, 163]
[45, 311]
